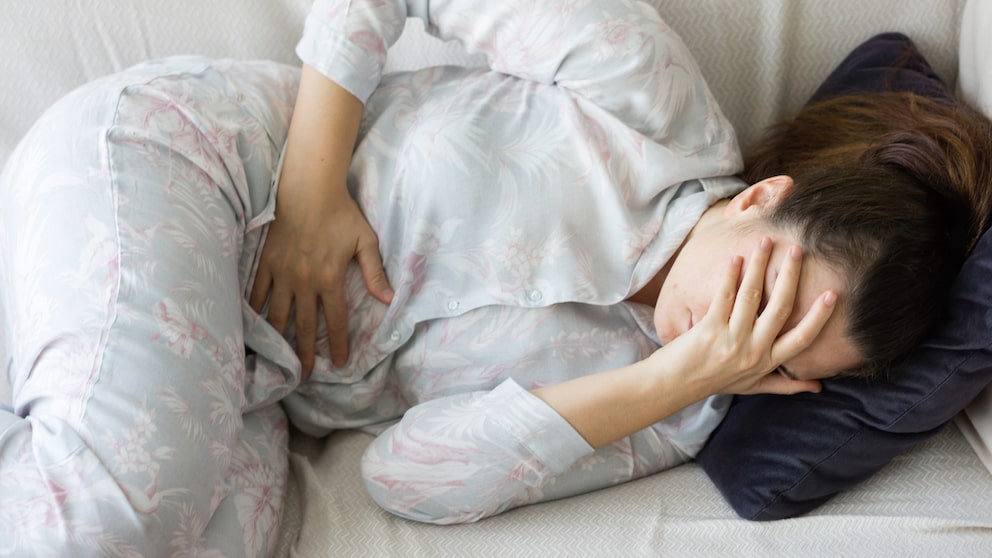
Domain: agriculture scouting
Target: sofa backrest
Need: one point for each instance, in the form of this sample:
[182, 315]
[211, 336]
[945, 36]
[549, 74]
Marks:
[762, 58]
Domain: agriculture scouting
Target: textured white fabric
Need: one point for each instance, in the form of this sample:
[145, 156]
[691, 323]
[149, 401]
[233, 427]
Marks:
[51, 46]
[762, 58]
[790, 48]
[975, 75]
[933, 501]
[975, 86]
[457, 177]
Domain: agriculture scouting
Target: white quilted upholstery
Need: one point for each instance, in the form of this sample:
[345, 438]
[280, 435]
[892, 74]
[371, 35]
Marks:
[935, 501]
[975, 86]
[48, 47]
[762, 58]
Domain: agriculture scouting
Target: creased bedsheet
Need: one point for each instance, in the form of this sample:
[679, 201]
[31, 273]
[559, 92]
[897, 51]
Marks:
[762, 64]
[933, 501]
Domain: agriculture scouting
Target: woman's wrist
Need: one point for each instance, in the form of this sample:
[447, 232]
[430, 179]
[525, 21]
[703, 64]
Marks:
[322, 135]
[610, 405]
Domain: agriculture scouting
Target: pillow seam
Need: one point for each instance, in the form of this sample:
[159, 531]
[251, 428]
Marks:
[929, 395]
[861, 429]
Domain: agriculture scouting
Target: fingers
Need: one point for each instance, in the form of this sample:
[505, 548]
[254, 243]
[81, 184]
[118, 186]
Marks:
[336, 319]
[304, 306]
[260, 289]
[782, 297]
[749, 294]
[726, 293]
[265, 290]
[768, 324]
[280, 305]
[780, 385]
[334, 304]
[306, 332]
[283, 303]
[746, 340]
[370, 263]
[794, 341]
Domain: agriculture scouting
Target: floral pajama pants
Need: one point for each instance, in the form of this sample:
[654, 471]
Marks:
[130, 218]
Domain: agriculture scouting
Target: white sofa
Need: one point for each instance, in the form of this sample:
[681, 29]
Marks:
[762, 58]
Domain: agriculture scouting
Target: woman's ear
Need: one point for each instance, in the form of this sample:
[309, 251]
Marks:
[760, 195]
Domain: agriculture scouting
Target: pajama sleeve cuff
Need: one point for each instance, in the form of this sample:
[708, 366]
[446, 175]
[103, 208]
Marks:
[537, 426]
[345, 63]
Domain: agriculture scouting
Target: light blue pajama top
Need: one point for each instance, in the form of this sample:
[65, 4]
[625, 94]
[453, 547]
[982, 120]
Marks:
[517, 207]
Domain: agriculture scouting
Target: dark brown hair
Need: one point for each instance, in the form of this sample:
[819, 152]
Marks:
[891, 189]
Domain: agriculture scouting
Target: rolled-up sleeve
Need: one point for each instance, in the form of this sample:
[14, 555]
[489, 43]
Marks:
[465, 457]
[347, 40]
[619, 55]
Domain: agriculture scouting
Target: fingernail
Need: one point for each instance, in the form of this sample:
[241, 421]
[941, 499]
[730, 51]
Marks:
[796, 252]
[829, 298]
[765, 244]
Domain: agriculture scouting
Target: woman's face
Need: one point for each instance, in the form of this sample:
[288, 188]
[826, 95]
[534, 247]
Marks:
[734, 228]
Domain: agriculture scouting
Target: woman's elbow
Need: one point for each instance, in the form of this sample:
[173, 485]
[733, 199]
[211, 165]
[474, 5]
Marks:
[422, 483]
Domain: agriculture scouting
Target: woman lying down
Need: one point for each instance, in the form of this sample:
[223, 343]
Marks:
[577, 280]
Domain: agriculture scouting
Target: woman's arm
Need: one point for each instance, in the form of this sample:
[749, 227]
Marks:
[318, 228]
[466, 457]
[469, 456]
[617, 54]
[734, 349]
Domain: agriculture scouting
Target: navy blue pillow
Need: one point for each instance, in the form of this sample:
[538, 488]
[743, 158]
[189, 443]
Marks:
[886, 62]
[775, 457]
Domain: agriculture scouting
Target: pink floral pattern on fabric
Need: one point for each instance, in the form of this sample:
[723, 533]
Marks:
[516, 207]
[123, 225]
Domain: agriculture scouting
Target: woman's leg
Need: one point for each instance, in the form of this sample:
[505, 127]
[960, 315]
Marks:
[128, 225]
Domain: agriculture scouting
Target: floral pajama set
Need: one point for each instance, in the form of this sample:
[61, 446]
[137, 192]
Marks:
[146, 408]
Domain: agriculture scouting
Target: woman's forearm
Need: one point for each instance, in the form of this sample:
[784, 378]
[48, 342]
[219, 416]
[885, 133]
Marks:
[322, 133]
[318, 229]
[735, 348]
[608, 406]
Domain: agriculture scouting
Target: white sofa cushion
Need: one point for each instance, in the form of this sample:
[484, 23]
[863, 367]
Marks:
[762, 62]
[975, 86]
